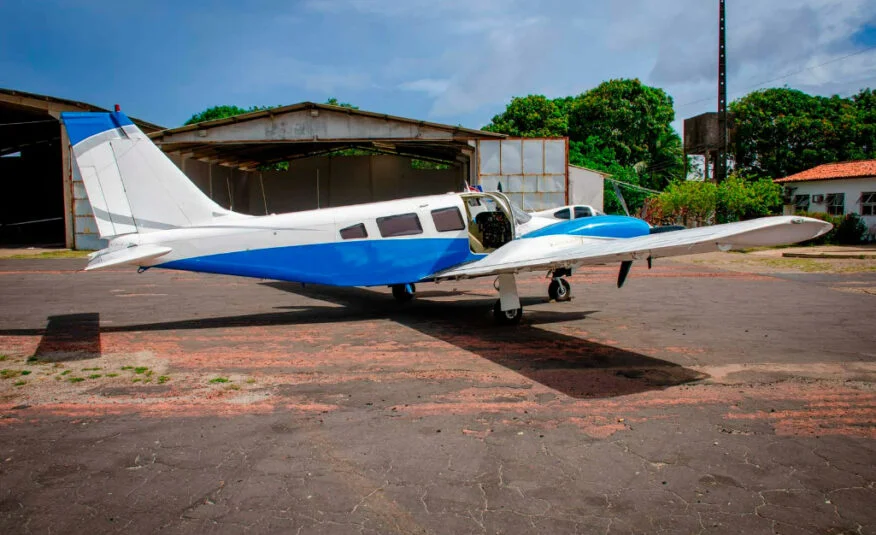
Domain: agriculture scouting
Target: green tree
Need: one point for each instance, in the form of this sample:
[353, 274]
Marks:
[334, 102]
[531, 116]
[633, 121]
[222, 112]
[783, 131]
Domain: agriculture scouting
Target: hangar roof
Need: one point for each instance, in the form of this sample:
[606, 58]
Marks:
[46, 103]
[30, 119]
[307, 129]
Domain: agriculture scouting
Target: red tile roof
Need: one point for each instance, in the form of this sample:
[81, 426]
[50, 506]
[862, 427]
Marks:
[833, 171]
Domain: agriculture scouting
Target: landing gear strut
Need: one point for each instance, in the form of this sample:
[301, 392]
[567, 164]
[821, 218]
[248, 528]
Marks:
[507, 310]
[559, 289]
[403, 292]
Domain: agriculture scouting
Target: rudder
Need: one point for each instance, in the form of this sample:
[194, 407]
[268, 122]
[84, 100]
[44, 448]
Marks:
[132, 186]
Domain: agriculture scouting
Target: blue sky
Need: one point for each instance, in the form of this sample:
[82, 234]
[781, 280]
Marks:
[453, 61]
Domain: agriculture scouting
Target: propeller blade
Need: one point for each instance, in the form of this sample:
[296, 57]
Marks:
[649, 262]
[624, 271]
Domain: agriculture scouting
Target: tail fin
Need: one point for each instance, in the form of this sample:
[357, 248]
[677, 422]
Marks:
[132, 186]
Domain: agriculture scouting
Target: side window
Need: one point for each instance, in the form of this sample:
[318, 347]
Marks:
[447, 219]
[354, 232]
[801, 203]
[563, 214]
[399, 225]
[868, 203]
[582, 211]
[836, 203]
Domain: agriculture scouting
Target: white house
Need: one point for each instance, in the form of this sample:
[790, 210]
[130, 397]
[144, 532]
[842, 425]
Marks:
[834, 188]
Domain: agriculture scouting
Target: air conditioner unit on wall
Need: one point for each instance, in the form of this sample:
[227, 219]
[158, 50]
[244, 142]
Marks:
[818, 198]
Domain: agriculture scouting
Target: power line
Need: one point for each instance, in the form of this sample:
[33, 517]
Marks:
[859, 52]
[632, 186]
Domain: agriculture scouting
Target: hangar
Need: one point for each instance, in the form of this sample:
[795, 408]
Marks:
[37, 206]
[290, 158]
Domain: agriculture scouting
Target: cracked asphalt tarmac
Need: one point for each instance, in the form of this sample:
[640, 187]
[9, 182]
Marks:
[693, 400]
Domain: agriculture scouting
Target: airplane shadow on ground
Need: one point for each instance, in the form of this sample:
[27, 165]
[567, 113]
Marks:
[70, 337]
[574, 366]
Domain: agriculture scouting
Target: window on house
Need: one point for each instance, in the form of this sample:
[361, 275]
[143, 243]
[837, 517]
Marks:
[868, 203]
[582, 211]
[836, 203]
[354, 232]
[399, 225]
[447, 219]
[563, 214]
[801, 203]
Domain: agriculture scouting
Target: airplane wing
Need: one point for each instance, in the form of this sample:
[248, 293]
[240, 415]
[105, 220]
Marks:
[128, 255]
[564, 251]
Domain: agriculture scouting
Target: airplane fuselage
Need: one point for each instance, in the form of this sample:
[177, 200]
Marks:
[383, 243]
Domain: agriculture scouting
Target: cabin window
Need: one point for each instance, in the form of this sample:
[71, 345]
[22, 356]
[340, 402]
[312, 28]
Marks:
[563, 214]
[868, 203]
[836, 203]
[447, 219]
[355, 232]
[399, 225]
[582, 211]
[801, 203]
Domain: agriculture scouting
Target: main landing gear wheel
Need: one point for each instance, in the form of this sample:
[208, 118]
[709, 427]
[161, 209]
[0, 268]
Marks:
[508, 317]
[560, 290]
[403, 292]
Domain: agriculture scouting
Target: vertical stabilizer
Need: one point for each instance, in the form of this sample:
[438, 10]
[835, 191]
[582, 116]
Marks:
[132, 186]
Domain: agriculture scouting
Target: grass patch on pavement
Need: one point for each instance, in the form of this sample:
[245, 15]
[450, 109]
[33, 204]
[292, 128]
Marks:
[217, 380]
[64, 253]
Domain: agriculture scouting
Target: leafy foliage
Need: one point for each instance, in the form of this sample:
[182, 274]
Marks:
[852, 230]
[334, 102]
[532, 116]
[633, 121]
[783, 131]
[695, 203]
[621, 127]
[222, 112]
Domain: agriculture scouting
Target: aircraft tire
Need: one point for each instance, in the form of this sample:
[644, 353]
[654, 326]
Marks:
[508, 317]
[560, 290]
[401, 292]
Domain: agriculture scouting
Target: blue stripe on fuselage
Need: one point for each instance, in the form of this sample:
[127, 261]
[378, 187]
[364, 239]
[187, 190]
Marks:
[347, 263]
[603, 226]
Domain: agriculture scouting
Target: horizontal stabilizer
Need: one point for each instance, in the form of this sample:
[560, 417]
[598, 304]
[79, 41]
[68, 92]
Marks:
[135, 254]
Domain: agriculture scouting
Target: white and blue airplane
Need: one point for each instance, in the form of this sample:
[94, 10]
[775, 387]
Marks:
[154, 216]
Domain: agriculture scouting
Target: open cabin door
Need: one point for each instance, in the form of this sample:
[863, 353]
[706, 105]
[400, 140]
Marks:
[490, 221]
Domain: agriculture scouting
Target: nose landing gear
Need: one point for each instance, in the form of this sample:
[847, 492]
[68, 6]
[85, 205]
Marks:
[560, 290]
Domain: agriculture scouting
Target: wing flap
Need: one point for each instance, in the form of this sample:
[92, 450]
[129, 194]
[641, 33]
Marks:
[535, 254]
[135, 254]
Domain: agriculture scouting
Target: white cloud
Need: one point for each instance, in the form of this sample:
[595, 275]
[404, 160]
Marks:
[491, 50]
[430, 86]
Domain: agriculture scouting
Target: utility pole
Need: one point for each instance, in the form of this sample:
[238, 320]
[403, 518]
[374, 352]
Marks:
[721, 163]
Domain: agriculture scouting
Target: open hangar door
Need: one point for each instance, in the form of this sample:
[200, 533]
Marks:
[31, 175]
[309, 156]
[43, 203]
